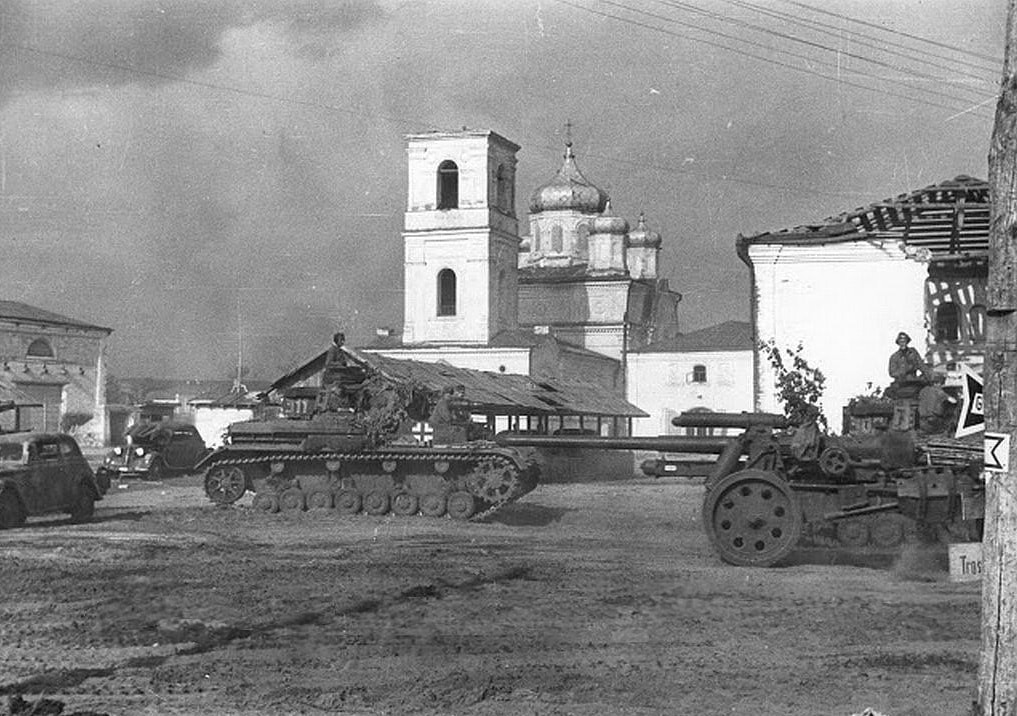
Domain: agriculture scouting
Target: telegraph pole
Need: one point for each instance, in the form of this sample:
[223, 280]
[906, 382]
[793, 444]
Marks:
[997, 673]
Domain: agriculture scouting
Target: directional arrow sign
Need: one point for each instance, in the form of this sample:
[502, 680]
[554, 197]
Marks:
[997, 452]
[972, 414]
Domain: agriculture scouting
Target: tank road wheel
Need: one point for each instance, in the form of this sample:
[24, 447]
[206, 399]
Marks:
[461, 505]
[432, 505]
[319, 500]
[266, 502]
[853, 532]
[347, 502]
[752, 518]
[888, 530]
[834, 461]
[405, 504]
[376, 503]
[225, 484]
[12, 514]
[292, 500]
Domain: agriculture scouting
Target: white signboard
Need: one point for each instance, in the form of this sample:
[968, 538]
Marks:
[972, 414]
[965, 561]
[997, 452]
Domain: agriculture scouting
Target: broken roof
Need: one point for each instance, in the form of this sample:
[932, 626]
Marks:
[487, 392]
[947, 219]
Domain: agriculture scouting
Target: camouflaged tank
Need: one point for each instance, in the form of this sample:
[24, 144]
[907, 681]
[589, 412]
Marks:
[348, 448]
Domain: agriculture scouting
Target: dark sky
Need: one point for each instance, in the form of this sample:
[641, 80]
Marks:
[201, 175]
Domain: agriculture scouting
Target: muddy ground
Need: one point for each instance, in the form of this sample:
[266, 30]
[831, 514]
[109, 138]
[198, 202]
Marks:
[580, 599]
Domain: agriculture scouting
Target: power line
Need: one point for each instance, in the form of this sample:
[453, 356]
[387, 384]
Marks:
[770, 60]
[861, 38]
[998, 61]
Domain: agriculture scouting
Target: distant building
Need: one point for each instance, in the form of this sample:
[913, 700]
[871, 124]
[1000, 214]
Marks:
[708, 370]
[844, 287]
[573, 301]
[58, 364]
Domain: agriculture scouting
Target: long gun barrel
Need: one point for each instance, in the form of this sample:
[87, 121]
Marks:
[661, 443]
[744, 421]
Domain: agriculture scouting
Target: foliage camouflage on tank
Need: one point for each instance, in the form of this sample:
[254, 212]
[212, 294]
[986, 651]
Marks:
[353, 452]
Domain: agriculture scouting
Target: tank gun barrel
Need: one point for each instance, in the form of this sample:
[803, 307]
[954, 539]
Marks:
[709, 445]
[743, 421]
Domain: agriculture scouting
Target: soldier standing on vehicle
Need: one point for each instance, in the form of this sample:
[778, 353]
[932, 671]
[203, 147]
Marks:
[447, 417]
[907, 364]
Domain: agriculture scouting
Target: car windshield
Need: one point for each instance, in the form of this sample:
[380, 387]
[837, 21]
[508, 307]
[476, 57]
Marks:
[11, 452]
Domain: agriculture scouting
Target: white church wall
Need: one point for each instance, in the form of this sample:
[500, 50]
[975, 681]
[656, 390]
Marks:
[664, 385]
[844, 303]
[495, 360]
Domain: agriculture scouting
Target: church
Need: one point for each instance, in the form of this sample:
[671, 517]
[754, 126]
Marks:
[580, 296]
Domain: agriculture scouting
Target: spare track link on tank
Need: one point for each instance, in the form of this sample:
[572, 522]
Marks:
[464, 484]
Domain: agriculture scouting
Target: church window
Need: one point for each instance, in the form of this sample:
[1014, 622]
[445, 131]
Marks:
[448, 185]
[947, 322]
[536, 239]
[40, 348]
[583, 240]
[556, 240]
[977, 317]
[446, 292]
[503, 188]
[699, 374]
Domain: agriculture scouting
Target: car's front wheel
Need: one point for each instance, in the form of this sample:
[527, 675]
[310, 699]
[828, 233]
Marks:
[157, 470]
[84, 506]
[12, 514]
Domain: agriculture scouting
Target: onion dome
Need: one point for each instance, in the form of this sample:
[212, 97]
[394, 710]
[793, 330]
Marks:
[569, 190]
[642, 237]
[608, 223]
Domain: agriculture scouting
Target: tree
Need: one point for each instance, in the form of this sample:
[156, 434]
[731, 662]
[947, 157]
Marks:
[997, 673]
[799, 385]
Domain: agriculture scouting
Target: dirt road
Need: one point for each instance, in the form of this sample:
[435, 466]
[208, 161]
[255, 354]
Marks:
[580, 599]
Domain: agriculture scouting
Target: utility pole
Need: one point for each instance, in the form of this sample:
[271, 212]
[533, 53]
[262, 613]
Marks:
[997, 673]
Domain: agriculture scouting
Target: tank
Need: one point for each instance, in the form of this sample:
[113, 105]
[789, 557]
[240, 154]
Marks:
[775, 486]
[348, 447]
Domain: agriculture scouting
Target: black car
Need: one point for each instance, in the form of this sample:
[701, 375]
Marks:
[155, 450]
[42, 473]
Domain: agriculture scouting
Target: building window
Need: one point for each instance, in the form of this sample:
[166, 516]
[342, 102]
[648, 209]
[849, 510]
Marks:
[556, 240]
[947, 322]
[583, 240]
[977, 317]
[40, 348]
[699, 431]
[699, 374]
[503, 188]
[448, 185]
[446, 292]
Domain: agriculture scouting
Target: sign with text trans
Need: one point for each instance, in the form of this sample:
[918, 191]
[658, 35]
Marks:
[972, 414]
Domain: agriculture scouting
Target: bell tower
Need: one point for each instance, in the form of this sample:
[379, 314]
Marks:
[460, 237]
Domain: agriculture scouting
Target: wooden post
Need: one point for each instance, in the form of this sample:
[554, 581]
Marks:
[997, 673]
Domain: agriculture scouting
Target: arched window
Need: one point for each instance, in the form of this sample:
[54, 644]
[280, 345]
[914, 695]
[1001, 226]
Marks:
[699, 374]
[700, 431]
[947, 322]
[448, 185]
[446, 292]
[556, 242]
[40, 348]
[977, 317]
[583, 240]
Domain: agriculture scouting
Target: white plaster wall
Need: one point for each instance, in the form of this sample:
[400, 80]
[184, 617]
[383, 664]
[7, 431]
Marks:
[845, 303]
[512, 360]
[212, 422]
[661, 384]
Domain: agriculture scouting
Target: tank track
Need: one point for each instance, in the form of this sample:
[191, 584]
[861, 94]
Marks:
[466, 483]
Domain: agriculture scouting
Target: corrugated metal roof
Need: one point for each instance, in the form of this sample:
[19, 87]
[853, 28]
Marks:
[17, 311]
[495, 393]
[948, 218]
